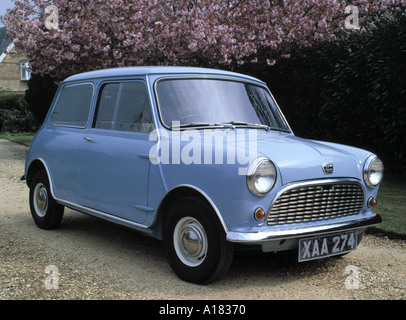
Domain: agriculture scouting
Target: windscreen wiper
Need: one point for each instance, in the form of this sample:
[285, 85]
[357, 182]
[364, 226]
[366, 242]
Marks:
[247, 124]
[205, 124]
[193, 124]
[229, 125]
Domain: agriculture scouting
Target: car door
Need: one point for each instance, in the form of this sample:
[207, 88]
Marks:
[113, 165]
[63, 136]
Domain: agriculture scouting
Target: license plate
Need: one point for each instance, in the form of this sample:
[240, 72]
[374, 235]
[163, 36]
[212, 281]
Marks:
[325, 246]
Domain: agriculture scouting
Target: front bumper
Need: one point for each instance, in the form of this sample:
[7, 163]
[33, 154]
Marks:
[283, 239]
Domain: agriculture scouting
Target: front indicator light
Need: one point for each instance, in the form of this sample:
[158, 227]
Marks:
[372, 202]
[259, 214]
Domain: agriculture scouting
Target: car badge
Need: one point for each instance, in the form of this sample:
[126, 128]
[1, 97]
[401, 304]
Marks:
[328, 168]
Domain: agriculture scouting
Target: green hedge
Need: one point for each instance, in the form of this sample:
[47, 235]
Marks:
[352, 91]
[14, 114]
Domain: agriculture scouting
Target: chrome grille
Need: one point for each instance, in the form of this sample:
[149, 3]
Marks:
[316, 202]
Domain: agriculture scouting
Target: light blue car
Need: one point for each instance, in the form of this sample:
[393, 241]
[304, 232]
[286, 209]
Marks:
[202, 159]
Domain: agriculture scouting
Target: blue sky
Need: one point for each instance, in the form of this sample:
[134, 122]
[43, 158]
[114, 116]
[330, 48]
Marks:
[4, 5]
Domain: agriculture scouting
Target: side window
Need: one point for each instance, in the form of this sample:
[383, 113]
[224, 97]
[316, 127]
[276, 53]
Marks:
[72, 108]
[124, 107]
[107, 105]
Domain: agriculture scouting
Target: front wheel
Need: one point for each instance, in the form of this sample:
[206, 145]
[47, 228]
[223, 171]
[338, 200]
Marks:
[195, 242]
[45, 211]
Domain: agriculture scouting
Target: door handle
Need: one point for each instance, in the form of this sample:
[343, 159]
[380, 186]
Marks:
[88, 139]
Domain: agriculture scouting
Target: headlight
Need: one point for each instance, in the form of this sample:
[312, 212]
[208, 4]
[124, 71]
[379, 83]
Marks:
[261, 176]
[373, 171]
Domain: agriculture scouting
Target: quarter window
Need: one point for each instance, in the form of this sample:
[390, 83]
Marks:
[124, 107]
[72, 108]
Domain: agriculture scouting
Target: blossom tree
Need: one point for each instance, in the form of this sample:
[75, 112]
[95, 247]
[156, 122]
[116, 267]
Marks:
[95, 34]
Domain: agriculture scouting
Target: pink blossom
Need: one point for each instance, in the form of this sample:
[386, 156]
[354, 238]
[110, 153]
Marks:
[271, 62]
[94, 34]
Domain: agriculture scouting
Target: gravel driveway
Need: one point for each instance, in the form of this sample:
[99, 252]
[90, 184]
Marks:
[88, 258]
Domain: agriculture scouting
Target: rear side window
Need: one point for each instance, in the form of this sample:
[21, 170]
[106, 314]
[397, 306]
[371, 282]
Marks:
[124, 107]
[72, 108]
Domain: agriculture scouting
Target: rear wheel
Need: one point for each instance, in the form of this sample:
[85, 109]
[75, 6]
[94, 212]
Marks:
[45, 211]
[195, 242]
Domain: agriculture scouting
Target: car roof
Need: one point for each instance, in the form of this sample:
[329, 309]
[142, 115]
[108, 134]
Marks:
[155, 70]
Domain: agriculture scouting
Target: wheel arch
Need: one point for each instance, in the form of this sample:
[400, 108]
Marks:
[36, 166]
[176, 194]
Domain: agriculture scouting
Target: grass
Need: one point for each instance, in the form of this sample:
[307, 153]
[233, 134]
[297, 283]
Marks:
[391, 196]
[21, 138]
[391, 204]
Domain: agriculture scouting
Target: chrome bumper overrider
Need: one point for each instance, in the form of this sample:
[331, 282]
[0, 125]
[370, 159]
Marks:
[281, 234]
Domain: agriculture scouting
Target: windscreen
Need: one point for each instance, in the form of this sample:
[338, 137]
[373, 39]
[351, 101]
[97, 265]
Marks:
[193, 102]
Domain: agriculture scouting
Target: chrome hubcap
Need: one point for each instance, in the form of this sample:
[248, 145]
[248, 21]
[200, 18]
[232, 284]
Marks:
[40, 199]
[190, 241]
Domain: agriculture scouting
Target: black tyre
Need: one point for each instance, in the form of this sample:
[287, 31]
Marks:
[46, 212]
[195, 242]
